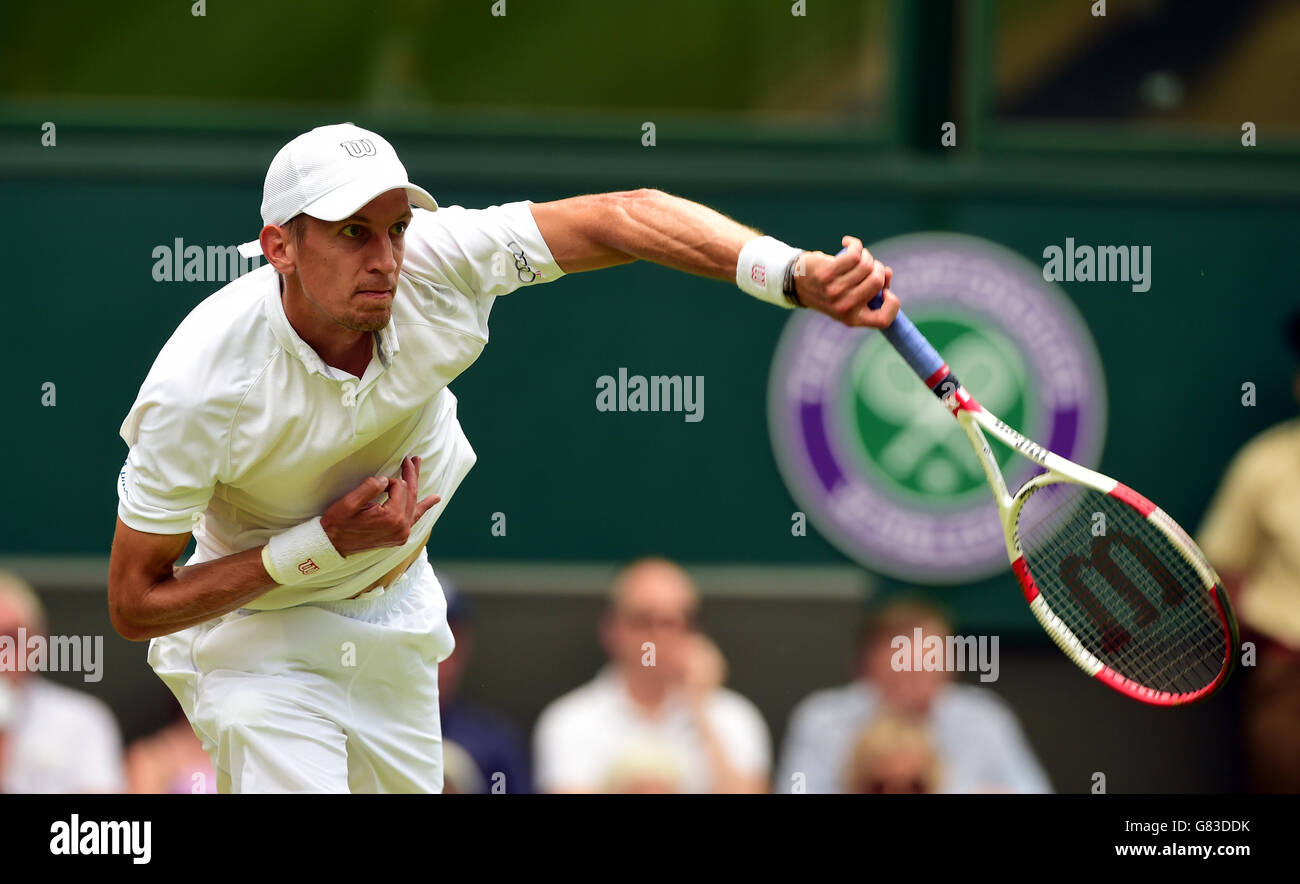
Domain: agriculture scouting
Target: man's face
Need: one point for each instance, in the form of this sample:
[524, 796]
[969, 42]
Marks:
[655, 604]
[908, 690]
[348, 269]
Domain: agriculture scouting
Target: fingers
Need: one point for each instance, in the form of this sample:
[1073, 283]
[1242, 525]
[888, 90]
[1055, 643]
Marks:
[410, 476]
[358, 498]
[399, 495]
[846, 305]
[847, 258]
[851, 280]
[847, 282]
[848, 268]
[882, 317]
[424, 506]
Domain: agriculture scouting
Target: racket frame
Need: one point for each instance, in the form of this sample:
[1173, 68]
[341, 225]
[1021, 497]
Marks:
[975, 421]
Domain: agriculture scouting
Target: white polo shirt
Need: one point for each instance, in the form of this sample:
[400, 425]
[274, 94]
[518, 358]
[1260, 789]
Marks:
[62, 740]
[582, 736]
[240, 421]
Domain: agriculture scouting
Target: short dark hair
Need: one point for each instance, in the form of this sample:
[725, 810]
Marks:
[297, 227]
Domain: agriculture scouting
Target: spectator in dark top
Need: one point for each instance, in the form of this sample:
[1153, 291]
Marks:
[494, 745]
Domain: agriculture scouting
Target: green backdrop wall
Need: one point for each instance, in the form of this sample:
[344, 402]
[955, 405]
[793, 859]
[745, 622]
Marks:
[83, 312]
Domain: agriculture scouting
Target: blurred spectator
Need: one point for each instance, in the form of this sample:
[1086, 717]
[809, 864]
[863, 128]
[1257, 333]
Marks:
[52, 739]
[170, 761]
[460, 772]
[1251, 534]
[656, 718]
[491, 750]
[893, 756]
[975, 735]
[645, 767]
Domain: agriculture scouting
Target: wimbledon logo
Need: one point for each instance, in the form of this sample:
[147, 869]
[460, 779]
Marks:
[875, 460]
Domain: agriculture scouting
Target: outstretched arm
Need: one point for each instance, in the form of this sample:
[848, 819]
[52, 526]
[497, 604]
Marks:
[607, 229]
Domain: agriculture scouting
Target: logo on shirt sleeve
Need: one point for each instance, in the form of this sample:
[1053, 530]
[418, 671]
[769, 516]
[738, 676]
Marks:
[526, 272]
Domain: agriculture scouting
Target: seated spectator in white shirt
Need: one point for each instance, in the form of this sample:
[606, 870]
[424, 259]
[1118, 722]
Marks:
[656, 718]
[975, 734]
[52, 739]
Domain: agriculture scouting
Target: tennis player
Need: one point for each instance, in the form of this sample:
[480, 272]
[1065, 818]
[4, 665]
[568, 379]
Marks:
[299, 425]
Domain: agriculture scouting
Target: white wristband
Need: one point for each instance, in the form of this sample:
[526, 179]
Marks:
[761, 269]
[300, 553]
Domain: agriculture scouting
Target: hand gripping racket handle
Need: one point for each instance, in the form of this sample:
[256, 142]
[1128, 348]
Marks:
[911, 344]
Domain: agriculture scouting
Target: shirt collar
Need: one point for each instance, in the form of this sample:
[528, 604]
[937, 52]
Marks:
[388, 345]
[284, 332]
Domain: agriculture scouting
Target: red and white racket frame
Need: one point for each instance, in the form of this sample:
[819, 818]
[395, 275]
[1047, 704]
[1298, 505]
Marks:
[975, 421]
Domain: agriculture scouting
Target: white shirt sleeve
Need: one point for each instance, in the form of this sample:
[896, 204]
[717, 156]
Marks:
[484, 253]
[562, 758]
[175, 457]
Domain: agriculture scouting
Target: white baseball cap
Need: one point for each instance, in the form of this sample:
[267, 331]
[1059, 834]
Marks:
[329, 173]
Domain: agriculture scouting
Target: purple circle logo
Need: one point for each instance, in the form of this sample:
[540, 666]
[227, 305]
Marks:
[875, 460]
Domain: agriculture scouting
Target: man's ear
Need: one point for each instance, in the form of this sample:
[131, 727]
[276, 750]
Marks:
[279, 248]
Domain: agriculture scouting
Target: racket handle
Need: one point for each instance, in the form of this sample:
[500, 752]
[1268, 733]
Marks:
[910, 343]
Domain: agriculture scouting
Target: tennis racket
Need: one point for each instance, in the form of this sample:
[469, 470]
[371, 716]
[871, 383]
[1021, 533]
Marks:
[1119, 587]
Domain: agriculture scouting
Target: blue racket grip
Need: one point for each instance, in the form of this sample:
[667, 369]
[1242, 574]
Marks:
[909, 342]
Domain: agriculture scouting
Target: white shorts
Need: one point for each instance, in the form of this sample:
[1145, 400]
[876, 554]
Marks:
[325, 697]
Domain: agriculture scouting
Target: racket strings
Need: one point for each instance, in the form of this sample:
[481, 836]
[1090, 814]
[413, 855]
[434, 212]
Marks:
[1130, 595]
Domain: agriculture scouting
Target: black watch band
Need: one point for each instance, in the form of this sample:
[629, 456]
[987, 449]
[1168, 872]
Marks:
[787, 283]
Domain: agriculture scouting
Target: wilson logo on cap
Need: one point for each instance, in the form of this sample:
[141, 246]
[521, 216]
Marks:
[361, 147]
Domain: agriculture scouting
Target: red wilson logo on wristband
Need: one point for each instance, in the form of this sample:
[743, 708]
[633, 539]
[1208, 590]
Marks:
[759, 274]
[308, 567]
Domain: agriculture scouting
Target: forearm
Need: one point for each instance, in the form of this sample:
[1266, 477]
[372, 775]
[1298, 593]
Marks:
[664, 229]
[608, 229]
[196, 593]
